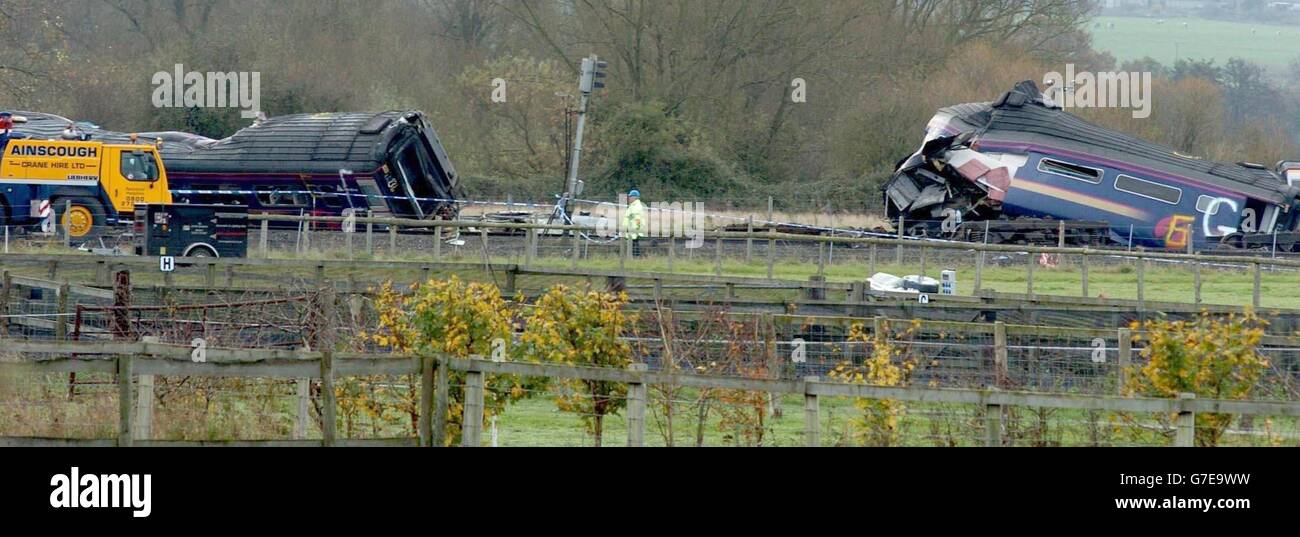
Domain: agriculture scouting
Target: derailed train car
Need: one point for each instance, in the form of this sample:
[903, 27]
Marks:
[388, 163]
[1023, 157]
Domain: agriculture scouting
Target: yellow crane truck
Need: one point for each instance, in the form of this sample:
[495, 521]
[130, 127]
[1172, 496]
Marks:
[89, 185]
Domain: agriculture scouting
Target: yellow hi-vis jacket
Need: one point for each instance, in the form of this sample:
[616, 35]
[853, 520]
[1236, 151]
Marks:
[634, 220]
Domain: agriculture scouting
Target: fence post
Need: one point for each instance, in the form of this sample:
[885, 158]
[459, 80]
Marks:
[67, 226]
[1142, 282]
[821, 258]
[142, 423]
[349, 234]
[6, 286]
[304, 398]
[1254, 296]
[1000, 351]
[1185, 436]
[898, 250]
[442, 391]
[771, 252]
[923, 256]
[878, 327]
[534, 242]
[530, 250]
[437, 243]
[672, 251]
[812, 431]
[717, 256]
[577, 250]
[1196, 274]
[1125, 359]
[125, 399]
[871, 262]
[471, 425]
[636, 398]
[624, 251]
[511, 276]
[749, 240]
[815, 291]
[392, 239]
[426, 401]
[53, 270]
[487, 252]
[1083, 266]
[60, 323]
[211, 278]
[993, 425]
[1029, 277]
[370, 234]
[328, 402]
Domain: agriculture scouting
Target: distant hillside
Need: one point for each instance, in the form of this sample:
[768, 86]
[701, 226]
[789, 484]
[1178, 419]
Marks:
[1135, 37]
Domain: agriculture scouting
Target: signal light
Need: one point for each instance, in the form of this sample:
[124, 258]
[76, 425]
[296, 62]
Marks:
[592, 71]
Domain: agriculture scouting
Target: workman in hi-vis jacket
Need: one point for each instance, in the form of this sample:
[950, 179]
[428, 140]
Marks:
[634, 221]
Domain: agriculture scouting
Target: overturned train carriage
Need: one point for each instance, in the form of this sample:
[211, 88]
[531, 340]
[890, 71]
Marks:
[390, 163]
[1023, 159]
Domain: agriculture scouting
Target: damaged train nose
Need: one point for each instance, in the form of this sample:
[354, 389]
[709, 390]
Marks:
[1023, 166]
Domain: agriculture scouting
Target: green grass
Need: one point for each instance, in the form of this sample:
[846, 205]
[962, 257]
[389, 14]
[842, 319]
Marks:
[1136, 37]
[1109, 278]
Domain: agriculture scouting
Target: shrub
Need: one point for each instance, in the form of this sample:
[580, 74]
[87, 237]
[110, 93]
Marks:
[879, 423]
[1212, 357]
[577, 328]
[451, 318]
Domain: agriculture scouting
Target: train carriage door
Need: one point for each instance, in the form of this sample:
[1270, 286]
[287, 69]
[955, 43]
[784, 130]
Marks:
[405, 164]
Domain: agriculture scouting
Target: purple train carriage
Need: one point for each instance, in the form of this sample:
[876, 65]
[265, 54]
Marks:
[1024, 158]
[388, 163]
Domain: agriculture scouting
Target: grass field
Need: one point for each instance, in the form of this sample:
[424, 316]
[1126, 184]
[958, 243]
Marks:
[1114, 279]
[224, 409]
[1135, 37]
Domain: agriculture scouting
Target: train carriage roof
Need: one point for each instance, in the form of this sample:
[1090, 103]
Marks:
[298, 143]
[1021, 116]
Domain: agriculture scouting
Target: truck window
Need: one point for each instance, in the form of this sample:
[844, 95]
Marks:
[139, 167]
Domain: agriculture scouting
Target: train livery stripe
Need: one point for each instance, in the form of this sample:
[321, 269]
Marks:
[49, 182]
[1079, 198]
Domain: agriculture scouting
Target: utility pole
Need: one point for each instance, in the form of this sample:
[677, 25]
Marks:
[592, 70]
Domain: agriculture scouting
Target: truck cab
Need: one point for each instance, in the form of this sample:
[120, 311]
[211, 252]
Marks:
[89, 185]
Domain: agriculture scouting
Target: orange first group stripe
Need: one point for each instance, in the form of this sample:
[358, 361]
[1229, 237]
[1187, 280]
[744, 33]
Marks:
[1079, 198]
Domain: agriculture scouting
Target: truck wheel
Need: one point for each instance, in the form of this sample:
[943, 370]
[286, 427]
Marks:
[201, 251]
[84, 219]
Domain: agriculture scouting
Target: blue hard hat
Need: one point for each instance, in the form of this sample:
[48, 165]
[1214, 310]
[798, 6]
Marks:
[634, 192]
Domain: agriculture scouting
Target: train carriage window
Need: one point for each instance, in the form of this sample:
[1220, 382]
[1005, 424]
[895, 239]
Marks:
[327, 196]
[1205, 203]
[371, 195]
[281, 196]
[1073, 171]
[1148, 189]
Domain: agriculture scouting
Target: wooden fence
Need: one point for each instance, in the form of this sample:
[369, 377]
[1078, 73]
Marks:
[129, 361]
[814, 291]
